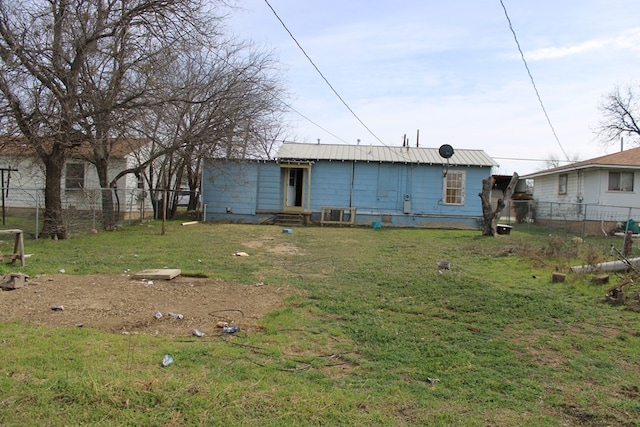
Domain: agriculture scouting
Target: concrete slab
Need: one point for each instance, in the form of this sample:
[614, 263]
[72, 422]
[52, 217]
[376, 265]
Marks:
[157, 274]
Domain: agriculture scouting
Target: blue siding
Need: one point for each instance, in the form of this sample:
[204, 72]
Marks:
[330, 184]
[243, 187]
[254, 190]
[226, 179]
[270, 184]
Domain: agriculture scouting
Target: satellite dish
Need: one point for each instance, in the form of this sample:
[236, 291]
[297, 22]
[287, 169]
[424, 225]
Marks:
[445, 151]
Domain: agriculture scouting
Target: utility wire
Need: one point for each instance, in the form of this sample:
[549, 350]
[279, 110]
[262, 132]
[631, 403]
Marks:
[277, 98]
[321, 74]
[311, 121]
[544, 110]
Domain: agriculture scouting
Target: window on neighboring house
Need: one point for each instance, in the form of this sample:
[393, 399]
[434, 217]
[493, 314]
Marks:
[454, 188]
[140, 181]
[562, 183]
[74, 176]
[621, 181]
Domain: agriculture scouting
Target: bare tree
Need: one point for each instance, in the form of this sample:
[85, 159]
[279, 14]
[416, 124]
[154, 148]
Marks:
[57, 55]
[553, 161]
[39, 83]
[122, 79]
[216, 100]
[76, 71]
[620, 116]
[490, 213]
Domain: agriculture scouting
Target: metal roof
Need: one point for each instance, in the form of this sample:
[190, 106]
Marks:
[383, 154]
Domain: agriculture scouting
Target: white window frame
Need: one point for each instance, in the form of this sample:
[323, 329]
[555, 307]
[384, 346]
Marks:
[621, 187]
[563, 183]
[454, 181]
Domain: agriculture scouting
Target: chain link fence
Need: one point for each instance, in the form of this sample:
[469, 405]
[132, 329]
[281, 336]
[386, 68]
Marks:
[81, 209]
[604, 225]
[576, 218]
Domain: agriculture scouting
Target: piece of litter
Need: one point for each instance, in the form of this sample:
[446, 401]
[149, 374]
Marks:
[241, 254]
[197, 333]
[433, 380]
[444, 265]
[62, 270]
[260, 284]
[230, 329]
[167, 360]
[57, 307]
[222, 324]
[175, 315]
[157, 315]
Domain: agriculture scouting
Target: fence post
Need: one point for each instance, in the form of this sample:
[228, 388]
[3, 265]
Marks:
[37, 214]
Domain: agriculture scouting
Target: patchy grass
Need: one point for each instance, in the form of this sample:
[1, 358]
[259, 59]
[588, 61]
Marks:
[379, 336]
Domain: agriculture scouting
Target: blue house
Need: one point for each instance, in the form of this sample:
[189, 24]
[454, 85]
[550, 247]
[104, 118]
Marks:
[349, 184]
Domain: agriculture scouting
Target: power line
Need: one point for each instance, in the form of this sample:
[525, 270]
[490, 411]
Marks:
[322, 75]
[311, 121]
[533, 83]
[528, 160]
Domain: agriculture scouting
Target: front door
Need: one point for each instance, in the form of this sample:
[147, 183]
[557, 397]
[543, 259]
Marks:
[295, 178]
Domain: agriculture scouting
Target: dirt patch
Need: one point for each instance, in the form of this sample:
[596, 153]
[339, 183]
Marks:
[117, 303]
[284, 248]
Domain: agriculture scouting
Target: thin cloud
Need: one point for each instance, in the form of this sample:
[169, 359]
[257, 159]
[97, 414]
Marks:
[629, 40]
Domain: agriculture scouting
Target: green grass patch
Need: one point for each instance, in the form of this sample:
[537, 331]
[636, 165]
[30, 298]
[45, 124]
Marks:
[377, 335]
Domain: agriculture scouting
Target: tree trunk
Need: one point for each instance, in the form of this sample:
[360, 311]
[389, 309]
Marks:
[490, 216]
[53, 225]
[108, 211]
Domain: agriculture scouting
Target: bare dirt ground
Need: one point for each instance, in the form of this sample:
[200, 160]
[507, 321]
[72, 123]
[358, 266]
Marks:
[117, 303]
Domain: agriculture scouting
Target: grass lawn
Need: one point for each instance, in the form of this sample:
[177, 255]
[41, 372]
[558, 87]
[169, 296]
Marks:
[376, 335]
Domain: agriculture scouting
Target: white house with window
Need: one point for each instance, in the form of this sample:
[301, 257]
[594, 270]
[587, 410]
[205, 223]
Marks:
[599, 189]
[23, 179]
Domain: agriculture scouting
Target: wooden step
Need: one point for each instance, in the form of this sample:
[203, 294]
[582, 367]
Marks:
[289, 219]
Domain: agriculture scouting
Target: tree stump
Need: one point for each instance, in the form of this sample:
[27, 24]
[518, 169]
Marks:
[600, 280]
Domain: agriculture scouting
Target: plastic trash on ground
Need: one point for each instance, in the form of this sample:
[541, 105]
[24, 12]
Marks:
[167, 360]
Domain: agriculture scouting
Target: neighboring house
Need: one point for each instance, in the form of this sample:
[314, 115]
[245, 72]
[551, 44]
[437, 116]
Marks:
[350, 184]
[601, 190]
[23, 179]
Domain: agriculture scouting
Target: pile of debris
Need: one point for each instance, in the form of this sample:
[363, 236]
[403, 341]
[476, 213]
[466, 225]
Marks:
[11, 281]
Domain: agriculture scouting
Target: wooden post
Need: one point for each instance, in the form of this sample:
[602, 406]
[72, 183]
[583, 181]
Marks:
[628, 244]
[18, 248]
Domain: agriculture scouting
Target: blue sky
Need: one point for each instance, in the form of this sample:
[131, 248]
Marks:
[452, 71]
